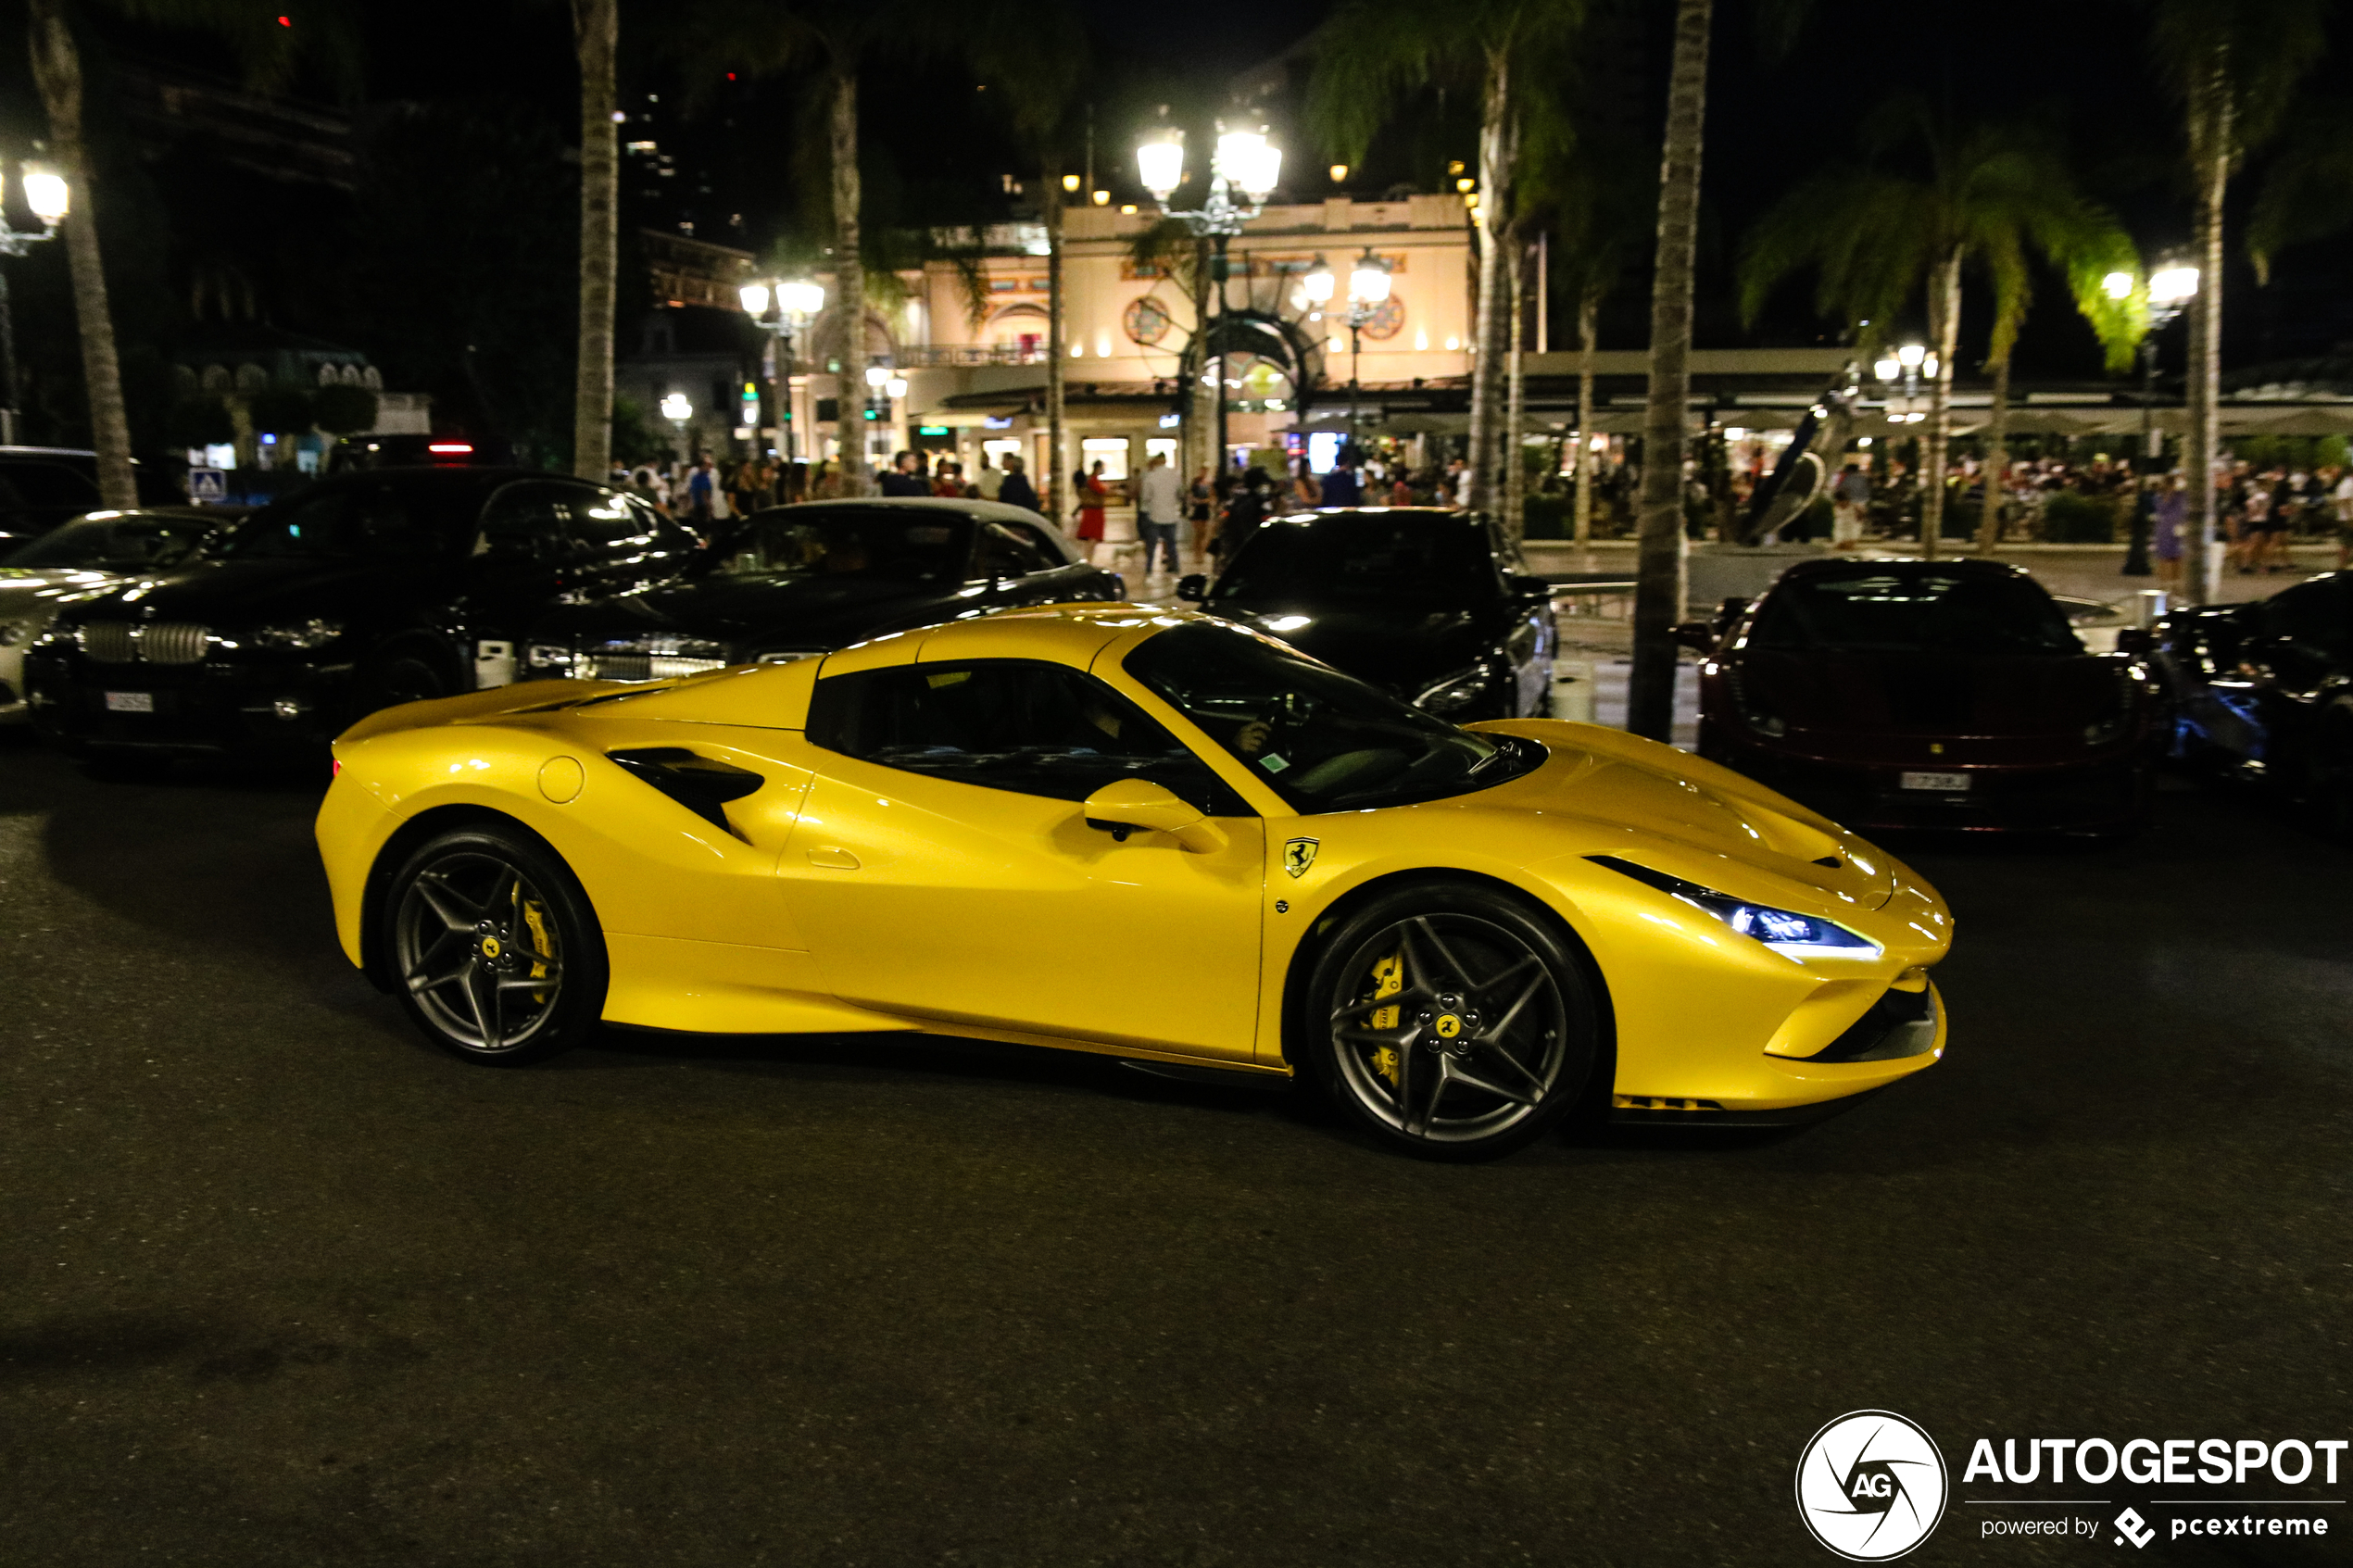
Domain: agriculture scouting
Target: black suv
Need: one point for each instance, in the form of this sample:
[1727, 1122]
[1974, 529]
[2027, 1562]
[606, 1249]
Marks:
[354, 594]
[1433, 605]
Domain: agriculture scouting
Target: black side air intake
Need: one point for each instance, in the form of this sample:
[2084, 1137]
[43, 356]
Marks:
[701, 784]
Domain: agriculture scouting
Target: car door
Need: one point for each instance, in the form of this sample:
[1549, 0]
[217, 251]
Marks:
[523, 557]
[943, 867]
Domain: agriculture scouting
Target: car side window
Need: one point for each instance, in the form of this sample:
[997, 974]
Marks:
[1014, 724]
[527, 521]
[1010, 550]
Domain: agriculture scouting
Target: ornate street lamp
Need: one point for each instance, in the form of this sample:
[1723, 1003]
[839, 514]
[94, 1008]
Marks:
[1245, 162]
[47, 194]
[795, 302]
[2169, 289]
[678, 412]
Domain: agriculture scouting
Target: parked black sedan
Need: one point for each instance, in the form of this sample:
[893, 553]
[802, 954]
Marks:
[1909, 693]
[351, 594]
[1431, 605]
[793, 580]
[2264, 691]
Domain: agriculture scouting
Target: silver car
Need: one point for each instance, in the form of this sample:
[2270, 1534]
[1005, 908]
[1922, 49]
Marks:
[90, 555]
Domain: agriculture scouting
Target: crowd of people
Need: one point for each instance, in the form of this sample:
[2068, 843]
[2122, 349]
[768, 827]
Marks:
[1201, 520]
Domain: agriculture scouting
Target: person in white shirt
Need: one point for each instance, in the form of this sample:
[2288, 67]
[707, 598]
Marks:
[1158, 509]
[990, 479]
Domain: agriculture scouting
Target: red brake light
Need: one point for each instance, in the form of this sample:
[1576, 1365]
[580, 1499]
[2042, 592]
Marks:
[338, 773]
[451, 447]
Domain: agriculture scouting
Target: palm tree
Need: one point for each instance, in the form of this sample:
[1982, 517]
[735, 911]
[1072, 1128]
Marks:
[597, 37]
[2234, 66]
[266, 51]
[1037, 59]
[1659, 573]
[1983, 197]
[829, 45]
[1372, 57]
[1598, 190]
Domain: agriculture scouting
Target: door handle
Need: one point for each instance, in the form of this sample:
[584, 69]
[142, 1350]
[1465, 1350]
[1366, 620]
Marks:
[833, 859]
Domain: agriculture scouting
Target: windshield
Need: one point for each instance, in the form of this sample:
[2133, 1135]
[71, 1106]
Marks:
[903, 545]
[1364, 556]
[114, 544]
[1324, 741]
[365, 521]
[1915, 612]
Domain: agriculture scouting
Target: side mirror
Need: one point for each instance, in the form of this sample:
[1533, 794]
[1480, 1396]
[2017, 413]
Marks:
[1697, 635]
[1193, 586]
[1125, 805]
[2135, 640]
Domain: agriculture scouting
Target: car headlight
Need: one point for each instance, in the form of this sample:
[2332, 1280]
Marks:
[1785, 931]
[302, 634]
[1453, 693]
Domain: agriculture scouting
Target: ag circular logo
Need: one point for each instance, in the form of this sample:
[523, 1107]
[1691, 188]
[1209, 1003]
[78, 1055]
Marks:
[1871, 1485]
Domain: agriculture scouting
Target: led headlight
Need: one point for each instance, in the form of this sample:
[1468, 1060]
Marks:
[1785, 931]
[302, 634]
[1453, 693]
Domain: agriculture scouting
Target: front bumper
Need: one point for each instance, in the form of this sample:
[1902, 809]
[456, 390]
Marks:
[234, 705]
[2107, 792]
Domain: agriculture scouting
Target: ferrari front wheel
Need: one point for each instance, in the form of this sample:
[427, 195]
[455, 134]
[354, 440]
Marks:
[1450, 1022]
[494, 949]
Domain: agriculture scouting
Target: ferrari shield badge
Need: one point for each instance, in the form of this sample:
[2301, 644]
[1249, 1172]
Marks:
[1298, 855]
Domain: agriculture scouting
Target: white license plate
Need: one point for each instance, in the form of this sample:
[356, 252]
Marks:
[1948, 782]
[130, 702]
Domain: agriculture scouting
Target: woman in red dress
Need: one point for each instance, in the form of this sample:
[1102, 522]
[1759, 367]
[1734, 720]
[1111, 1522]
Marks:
[1092, 495]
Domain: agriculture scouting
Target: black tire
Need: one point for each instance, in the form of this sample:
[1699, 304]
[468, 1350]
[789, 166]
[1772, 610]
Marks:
[1492, 1040]
[397, 678]
[470, 918]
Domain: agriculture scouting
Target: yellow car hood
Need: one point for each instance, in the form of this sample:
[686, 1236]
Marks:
[1694, 815]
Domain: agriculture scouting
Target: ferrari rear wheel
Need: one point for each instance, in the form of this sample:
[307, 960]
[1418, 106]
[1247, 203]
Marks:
[495, 951]
[1450, 1022]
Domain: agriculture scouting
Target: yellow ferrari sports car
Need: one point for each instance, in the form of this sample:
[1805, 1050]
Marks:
[1156, 835]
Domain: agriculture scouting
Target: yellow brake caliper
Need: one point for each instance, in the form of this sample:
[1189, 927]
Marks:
[1389, 978]
[536, 918]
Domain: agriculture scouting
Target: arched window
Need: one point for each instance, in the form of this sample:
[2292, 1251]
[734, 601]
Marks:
[216, 378]
[252, 378]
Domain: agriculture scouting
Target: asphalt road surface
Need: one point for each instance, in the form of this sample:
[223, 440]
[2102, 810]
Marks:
[282, 1285]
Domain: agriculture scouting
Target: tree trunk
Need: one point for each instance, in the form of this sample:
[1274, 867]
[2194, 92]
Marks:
[1516, 403]
[1496, 154]
[1660, 586]
[850, 286]
[1050, 495]
[57, 70]
[1589, 309]
[2210, 133]
[1945, 327]
[596, 32]
[1997, 459]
